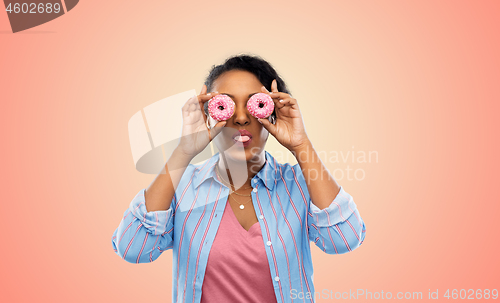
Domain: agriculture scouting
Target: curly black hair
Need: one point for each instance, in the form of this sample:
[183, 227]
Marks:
[250, 63]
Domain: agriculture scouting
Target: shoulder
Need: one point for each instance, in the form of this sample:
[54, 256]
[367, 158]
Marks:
[200, 169]
[288, 173]
[291, 184]
[278, 166]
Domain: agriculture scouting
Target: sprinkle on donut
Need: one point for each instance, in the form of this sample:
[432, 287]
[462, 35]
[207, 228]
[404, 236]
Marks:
[260, 105]
[221, 107]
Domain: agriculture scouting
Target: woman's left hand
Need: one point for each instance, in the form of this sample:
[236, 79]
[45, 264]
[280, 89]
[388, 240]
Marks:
[289, 128]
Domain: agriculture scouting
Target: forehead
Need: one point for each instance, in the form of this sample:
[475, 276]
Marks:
[236, 80]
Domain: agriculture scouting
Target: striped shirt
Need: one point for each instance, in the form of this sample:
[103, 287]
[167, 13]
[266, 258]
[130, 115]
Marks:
[287, 217]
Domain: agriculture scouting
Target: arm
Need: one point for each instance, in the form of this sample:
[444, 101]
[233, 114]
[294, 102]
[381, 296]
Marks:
[146, 229]
[160, 192]
[334, 223]
[321, 185]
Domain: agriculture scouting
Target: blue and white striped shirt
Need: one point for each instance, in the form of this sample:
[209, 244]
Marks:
[288, 221]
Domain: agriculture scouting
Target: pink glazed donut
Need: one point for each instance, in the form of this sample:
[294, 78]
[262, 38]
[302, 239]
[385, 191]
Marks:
[260, 105]
[221, 107]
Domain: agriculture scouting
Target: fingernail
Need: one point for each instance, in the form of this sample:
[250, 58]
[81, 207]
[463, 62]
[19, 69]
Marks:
[209, 94]
[259, 121]
[281, 100]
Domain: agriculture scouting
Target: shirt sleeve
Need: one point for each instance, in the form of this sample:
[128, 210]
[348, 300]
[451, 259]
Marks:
[338, 228]
[142, 236]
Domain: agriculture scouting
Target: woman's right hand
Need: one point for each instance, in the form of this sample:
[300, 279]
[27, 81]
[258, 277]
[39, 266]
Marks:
[195, 135]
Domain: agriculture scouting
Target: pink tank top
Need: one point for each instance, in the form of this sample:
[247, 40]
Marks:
[237, 268]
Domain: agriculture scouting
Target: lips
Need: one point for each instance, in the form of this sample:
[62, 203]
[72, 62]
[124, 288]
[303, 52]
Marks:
[243, 136]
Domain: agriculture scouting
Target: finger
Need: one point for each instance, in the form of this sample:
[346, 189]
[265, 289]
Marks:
[279, 95]
[202, 99]
[192, 107]
[264, 90]
[205, 97]
[268, 125]
[216, 129]
[289, 102]
[190, 101]
[274, 86]
[275, 96]
[203, 90]
[284, 102]
[281, 103]
[185, 106]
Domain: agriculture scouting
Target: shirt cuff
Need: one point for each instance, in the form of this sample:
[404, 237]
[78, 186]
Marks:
[339, 210]
[155, 221]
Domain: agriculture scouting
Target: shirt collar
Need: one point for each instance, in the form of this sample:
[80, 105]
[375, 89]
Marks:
[207, 170]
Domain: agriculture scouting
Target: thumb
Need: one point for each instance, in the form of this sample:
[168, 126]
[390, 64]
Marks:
[203, 90]
[268, 125]
[217, 129]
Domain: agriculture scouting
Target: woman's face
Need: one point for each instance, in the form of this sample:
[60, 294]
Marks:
[240, 86]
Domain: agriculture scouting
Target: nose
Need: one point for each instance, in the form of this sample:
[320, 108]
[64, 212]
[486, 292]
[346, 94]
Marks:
[241, 115]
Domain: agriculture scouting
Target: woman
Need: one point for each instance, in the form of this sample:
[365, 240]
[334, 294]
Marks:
[240, 224]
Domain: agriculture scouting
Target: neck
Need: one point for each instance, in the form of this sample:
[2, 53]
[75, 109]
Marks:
[240, 173]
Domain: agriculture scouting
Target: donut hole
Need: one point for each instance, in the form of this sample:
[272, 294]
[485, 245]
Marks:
[221, 107]
[261, 105]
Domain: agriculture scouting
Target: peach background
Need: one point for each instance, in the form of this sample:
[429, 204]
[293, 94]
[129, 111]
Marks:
[417, 81]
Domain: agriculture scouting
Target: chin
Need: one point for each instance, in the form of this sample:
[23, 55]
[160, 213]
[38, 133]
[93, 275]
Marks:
[237, 152]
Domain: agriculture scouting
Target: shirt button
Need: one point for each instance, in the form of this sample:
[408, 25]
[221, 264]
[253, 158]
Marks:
[276, 278]
[261, 217]
[268, 243]
[254, 180]
[255, 190]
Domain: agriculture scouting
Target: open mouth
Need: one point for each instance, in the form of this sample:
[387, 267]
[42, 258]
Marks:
[243, 136]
